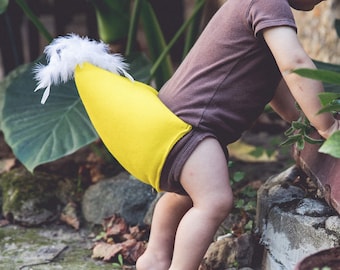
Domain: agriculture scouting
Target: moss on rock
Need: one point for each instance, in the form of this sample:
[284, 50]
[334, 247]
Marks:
[29, 199]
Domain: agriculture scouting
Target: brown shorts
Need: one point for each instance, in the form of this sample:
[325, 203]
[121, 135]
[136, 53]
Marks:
[171, 172]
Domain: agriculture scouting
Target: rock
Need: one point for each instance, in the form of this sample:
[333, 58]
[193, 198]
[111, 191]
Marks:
[290, 225]
[276, 191]
[317, 32]
[148, 216]
[333, 224]
[51, 247]
[29, 199]
[122, 195]
[229, 252]
[220, 254]
[313, 208]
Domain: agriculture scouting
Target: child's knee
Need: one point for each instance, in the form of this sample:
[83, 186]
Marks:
[222, 204]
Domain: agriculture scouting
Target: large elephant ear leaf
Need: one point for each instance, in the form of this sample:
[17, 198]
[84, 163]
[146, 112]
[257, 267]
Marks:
[39, 133]
[3, 5]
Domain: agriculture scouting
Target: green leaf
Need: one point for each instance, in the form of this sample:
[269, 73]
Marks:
[238, 176]
[330, 108]
[131, 44]
[327, 66]
[34, 19]
[3, 5]
[42, 133]
[312, 140]
[332, 145]
[258, 151]
[327, 98]
[112, 18]
[156, 43]
[291, 139]
[298, 125]
[289, 131]
[120, 259]
[194, 27]
[300, 144]
[139, 66]
[327, 76]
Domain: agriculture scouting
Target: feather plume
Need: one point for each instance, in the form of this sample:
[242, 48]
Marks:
[65, 53]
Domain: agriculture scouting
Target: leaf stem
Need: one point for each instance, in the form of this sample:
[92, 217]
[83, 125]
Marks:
[34, 19]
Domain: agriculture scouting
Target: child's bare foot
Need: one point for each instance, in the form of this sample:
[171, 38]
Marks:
[151, 261]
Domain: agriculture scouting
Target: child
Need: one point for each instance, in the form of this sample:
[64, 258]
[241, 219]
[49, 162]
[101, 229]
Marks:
[246, 52]
[242, 61]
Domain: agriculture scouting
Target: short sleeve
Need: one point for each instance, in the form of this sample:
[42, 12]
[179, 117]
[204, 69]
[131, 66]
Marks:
[269, 13]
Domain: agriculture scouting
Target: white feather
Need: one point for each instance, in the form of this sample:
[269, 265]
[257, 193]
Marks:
[65, 53]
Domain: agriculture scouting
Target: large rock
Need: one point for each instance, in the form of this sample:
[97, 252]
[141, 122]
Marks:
[292, 222]
[229, 251]
[122, 195]
[30, 199]
[317, 32]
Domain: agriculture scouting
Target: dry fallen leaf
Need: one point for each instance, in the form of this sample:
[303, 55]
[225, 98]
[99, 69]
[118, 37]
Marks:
[120, 239]
[69, 215]
[115, 225]
[4, 222]
[132, 250]
[242, 151]
[106, 251]
[6, 164]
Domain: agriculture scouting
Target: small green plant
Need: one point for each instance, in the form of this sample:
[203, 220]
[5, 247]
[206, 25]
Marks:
[247, 199]
[244, 205]
[330, 100]
[299, 133]
[119, 264]
[237, 177]
[100, 236]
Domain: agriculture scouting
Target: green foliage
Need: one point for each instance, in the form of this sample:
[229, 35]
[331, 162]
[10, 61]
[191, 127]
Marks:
[34, 19]
[37, 133]
[245, 205]
[332, 145]
[237, 177]
[299, 131]
[3, 5]
[327, 76]
[111, 13]
[330, 102]
[269, 150]
[154, 34]
[246, 200]
[120, 262]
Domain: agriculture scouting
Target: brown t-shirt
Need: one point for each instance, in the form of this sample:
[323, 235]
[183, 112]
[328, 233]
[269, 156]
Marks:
[230, 74]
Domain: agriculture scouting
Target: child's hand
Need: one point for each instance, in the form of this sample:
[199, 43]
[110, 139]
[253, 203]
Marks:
[328, 132]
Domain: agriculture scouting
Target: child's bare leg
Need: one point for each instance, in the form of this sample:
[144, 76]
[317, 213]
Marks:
[205, 177]
[168, 212]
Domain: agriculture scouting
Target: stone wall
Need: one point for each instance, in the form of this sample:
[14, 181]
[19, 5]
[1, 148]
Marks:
[317, 32]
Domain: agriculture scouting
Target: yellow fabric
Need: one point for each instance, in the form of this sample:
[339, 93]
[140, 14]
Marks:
[136, 127]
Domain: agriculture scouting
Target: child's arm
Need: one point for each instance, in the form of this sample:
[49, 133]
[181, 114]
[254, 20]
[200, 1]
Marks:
[283, 103]
[290, 55]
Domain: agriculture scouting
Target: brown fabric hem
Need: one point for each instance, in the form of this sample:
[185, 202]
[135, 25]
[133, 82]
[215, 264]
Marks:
[171, 172]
